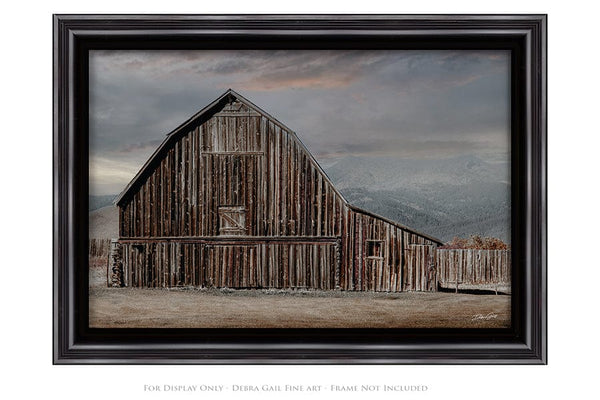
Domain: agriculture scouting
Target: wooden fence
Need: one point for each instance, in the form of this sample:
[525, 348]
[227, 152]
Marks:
[99, 247]
[466, 269]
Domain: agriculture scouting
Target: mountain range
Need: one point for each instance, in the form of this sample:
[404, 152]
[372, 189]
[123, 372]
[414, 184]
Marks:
[458, 196]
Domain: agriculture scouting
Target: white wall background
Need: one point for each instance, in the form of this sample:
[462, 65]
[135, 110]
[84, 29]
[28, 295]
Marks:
[26, 207]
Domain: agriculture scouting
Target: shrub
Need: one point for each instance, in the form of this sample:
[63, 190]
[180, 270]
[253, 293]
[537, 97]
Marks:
[476, 242]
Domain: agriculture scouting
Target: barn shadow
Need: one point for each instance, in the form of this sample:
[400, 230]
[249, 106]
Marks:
[483, 291]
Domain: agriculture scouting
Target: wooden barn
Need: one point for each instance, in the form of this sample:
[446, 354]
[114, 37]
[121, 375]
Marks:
[232, 198]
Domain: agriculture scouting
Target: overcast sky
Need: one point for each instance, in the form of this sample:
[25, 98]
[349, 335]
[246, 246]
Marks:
[433, 104]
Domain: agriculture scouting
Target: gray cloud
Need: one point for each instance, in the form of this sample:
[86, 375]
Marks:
[150, 144]
[425, 103]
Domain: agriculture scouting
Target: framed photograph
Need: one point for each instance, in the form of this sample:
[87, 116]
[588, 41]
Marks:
[296, 189]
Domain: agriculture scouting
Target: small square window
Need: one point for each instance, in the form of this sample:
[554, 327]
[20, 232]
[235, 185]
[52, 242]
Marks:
[375, 248]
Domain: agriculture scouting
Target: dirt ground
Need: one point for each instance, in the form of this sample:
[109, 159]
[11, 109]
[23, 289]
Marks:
[226, 308]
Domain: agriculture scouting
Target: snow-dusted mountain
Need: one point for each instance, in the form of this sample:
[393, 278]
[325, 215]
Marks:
[459, 196]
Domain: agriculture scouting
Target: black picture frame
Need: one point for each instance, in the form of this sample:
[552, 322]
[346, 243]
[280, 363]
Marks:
[524, 343]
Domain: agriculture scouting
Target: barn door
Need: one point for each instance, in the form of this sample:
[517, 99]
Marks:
[419, 274]
[231, 266]
[374, 264]
[139, 269]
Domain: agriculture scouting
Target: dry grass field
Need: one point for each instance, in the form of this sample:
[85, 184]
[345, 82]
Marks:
[214, 308]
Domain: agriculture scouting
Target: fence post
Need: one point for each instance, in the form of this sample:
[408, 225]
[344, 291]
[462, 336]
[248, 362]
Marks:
[456, 290]
[456, 266]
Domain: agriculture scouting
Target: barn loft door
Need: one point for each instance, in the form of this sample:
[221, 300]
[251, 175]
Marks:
[232, 221]
[232, 184]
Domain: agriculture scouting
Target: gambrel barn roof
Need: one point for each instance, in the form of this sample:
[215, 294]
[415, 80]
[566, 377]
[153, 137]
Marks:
[205, 114]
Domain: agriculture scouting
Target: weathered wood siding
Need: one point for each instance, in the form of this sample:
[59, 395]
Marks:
[474, 269]
[222, 264]
[419, 270]
[235, 158]
[392, 269]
